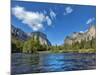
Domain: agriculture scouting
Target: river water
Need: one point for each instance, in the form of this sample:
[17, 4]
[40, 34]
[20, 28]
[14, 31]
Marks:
[51, 62]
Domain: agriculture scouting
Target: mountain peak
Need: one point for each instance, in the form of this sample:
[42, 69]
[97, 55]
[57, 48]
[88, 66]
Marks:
[21, 35]
[77, 36]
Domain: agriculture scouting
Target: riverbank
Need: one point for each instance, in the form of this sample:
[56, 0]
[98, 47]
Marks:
[67, 51]
[70, 51]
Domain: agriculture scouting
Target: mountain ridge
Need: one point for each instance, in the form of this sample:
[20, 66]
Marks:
[22, 36]
[79, 36]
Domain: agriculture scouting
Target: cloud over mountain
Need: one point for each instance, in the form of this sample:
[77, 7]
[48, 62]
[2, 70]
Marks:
[90, 20]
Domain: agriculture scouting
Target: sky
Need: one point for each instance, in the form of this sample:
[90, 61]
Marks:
[55, 20]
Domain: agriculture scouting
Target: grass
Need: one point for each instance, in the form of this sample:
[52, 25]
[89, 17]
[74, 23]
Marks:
[74, 51]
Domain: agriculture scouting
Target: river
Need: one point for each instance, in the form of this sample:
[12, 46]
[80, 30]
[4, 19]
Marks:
[22, 63]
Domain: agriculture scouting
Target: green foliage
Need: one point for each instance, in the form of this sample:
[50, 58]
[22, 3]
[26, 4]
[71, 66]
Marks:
[33, 45]
[76, 47]
[29, 46]
[16, 45]
[83, 46]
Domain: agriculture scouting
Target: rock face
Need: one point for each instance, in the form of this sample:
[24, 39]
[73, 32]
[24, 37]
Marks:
[41, 36]
[18, 33]
[21, 35]
[79, 36]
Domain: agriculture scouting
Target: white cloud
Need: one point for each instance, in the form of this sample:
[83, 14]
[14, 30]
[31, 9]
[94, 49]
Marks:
[32, 19]
[49, 22]
[45, 12]
[52, 14]
[90, 20]
[81, 31]
[68, 10]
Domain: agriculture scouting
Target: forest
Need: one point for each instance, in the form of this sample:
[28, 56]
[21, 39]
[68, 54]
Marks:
[33, 45]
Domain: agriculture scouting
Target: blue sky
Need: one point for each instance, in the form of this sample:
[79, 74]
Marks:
[55, 20]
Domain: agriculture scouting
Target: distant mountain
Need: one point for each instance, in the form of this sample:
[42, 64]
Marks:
[18, 34]
[41, 36]
[79, 36]
[21, 35]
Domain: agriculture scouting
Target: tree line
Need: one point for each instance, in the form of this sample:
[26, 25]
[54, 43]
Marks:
[30, 46]
[33, 45]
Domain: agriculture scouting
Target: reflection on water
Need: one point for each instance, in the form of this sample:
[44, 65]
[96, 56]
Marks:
[36, 63]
